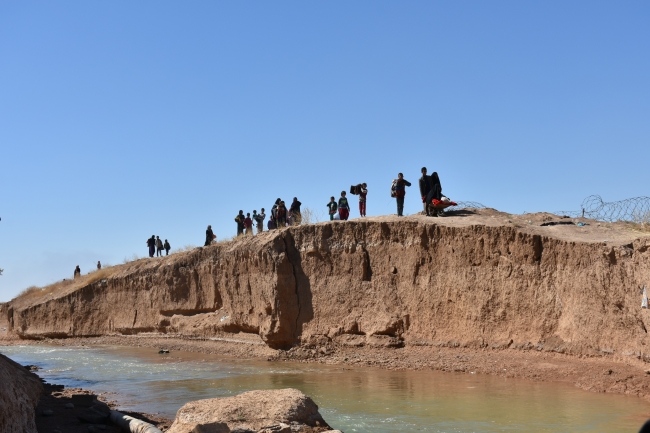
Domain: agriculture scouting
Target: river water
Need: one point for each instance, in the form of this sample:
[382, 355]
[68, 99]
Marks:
[350, 399]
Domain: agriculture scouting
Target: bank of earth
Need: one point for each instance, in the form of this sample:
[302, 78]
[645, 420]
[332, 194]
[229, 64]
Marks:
[477, 291]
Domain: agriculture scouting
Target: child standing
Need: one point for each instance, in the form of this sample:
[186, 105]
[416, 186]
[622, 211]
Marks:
[332, 207]
[167, 247]
[344, 207]
[248, 224]
[362, 199]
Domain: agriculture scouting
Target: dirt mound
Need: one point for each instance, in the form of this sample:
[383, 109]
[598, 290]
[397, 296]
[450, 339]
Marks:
[20, 391]
[471, 279]
[253, 411]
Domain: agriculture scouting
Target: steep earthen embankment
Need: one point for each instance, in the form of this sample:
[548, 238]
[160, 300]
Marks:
[20, 391]
[382, 282]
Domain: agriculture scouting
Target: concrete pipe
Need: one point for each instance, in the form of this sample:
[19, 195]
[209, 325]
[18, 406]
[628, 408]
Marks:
[132, 425]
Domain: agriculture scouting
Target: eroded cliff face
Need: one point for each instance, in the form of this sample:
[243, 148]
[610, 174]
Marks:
[20, 391]
[374, 282]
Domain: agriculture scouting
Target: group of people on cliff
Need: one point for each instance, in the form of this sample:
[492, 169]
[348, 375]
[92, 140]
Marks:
[156, 246]
[341, 209]
[281, 216]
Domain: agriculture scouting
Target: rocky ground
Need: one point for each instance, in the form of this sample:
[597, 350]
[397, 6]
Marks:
[604, 373]
[76, 410]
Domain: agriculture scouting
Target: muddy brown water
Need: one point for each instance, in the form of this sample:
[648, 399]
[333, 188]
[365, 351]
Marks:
[351, 399]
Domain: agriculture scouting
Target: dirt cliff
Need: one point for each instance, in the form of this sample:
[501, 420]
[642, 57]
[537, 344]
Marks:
[20, 391]
[471, 279]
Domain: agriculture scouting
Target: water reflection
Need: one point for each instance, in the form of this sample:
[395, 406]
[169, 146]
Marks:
[354, 400]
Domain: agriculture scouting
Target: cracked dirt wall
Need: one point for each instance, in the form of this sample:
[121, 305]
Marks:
[390, 282]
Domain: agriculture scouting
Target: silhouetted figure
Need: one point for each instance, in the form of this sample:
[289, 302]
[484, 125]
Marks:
[239, 219]
[294, 210]
[274, 215]
[99, 265]
[281, 215]
[151, 243]
[425, 187]
[77, 272]
[209, 236]
[167, 247]
[159, 247]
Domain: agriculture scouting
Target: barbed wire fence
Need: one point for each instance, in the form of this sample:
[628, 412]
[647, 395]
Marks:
[468, 205]
[635, 210]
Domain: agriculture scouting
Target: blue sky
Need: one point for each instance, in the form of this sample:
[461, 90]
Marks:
[119, 120]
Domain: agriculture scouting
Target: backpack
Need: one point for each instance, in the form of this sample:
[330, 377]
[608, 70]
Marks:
[393, 188]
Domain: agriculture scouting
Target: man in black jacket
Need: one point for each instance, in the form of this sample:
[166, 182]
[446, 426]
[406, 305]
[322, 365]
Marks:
[425, 187]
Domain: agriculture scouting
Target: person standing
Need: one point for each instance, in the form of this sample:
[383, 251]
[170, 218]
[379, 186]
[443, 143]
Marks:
[99, 265]
[151, 243]
[425, 187]
[400, 185]
[273, 221]
[363, 192]
[344, 207]
[167, 247]
[209, 236]
[296, 216]
[259, 219]
[332, 207]
[434, 193]
[239, 219]
[77, 272]
[281, 215]
[248, 224]
[159, 247]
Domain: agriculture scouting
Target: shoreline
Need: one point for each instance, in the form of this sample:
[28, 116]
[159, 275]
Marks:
[601, 374]
[56, 411]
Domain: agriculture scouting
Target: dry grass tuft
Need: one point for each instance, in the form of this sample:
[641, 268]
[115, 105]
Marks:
[187, 247]
[34, 292]
[310, 216]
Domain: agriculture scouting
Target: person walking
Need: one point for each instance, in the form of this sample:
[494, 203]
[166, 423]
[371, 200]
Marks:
[99, 265]
[281, 215]
[363, 192]
[77, 272]
[332, 206]
[151, 243]
[294, 210]
[425, 187]
[167, 247]
[259, 219]
[344, 207]
[159, 247]
[209, 236]
[399, 189]
[248, 224]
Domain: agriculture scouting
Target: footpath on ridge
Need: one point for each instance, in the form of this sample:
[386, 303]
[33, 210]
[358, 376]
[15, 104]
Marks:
[476, 290]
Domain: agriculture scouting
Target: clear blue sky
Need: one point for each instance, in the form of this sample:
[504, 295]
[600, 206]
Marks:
[119, 120]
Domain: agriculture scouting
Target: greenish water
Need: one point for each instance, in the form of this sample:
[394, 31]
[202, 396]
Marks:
[353, 400]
